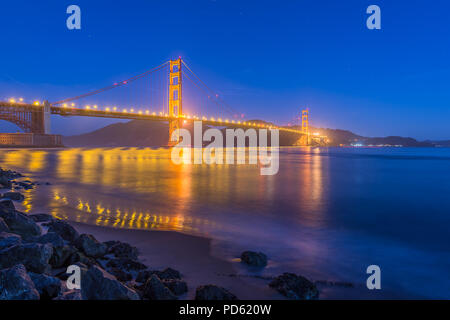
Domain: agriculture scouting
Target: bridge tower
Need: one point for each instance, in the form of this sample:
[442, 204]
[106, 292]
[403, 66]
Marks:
[305, 127]
[175, 100]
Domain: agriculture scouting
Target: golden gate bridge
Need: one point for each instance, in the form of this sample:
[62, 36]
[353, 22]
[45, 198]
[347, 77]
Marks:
[164, 93]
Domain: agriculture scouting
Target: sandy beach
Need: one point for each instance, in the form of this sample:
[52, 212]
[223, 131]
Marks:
[190, 255]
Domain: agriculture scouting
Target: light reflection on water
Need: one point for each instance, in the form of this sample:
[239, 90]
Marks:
[328, 212]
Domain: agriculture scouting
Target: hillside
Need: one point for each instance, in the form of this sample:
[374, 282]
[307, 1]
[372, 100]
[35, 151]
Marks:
[139, 133]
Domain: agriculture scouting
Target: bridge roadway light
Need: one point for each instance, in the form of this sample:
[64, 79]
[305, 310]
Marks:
[124, 110]
[12, 100]
[107, 109]
[73, 104]
[21, 99]
[36, 103]
[95, 106]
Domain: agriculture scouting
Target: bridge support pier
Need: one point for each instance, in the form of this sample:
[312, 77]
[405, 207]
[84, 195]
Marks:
[46, 118]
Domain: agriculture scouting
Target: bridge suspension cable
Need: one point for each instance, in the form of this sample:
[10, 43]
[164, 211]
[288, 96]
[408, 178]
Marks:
[115, 85]
[218, 100]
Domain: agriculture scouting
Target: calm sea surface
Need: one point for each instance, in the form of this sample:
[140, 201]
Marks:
[328, 214]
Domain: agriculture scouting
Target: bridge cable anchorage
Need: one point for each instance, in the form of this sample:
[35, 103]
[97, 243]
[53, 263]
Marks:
[225, 105]
[115, 85]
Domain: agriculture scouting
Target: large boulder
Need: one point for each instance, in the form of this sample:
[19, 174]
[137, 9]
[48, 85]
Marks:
[5, 182]
[9, 239]
[90, 246]
[41, 217]
[34, 256]
[16, 196]
[166, 274]
[80, 257]
[97, 284]
[61, 251]
[125, 264]
[120, 274]
[178, 287]
[295, 287]
[48, 287]
[7, 206]
[122, 250]
[65, 230]
[16, 284]
[213, 292]
[18, 222]
[154, 289]
[254, 259]
[3, 226]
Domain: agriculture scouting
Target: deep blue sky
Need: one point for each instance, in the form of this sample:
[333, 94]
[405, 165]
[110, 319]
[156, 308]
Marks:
[267, 58]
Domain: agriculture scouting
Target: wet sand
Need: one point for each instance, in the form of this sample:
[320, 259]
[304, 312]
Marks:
[190, 255]
[193, 257]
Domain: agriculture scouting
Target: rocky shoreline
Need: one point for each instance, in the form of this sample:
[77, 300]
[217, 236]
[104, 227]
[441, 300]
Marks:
[38, 250]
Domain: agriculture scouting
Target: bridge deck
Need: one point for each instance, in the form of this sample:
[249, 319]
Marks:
[143, 115]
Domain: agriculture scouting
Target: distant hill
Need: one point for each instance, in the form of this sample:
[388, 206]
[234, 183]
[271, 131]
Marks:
[129, 134]
[140, 133]
[441, 143]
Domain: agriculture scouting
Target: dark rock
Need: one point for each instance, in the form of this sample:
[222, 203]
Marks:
[166, 274]
[41, 217]
[4, 182]
[65, 230]
[16, 196]
[111, 243]
[97, 284]
[61, 256]
[61, 251]
[7, 206]
[16, 284]
[120, 274]
[78, 256]
[70, 295]
[48, 287]
[295, 287]
[143, 275]
[90, 246]
[177, 287]
[50, 237]
[254, 259]
[34, 256]
[126, 264]
[123, 250]
[212, 292]
[154, 289]
[9, 239]
[3, 226]
[18, 222]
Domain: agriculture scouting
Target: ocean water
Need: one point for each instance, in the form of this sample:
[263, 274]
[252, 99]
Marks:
[328, 214]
